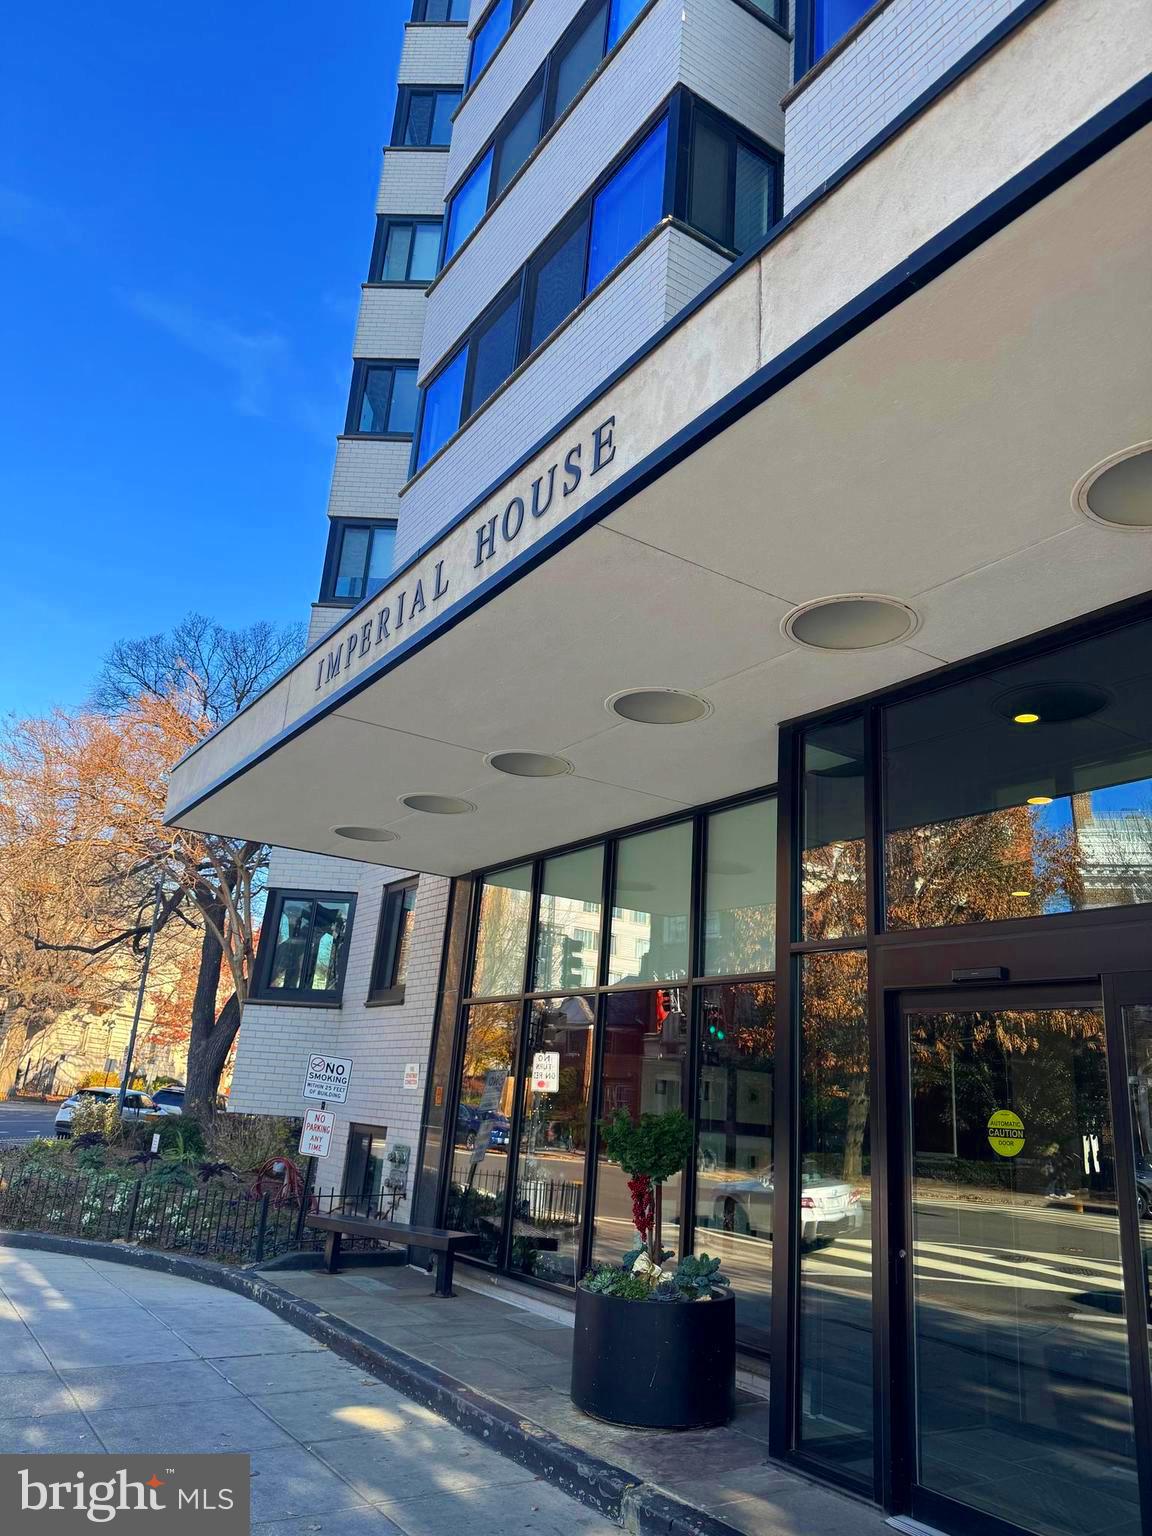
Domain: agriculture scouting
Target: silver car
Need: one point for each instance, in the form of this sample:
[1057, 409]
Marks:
[137, 1106]
[828, 1207]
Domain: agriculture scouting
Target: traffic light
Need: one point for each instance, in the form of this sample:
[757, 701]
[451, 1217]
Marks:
[571, 962]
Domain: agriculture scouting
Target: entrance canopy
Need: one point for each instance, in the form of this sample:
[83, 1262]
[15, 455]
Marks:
[915, 433]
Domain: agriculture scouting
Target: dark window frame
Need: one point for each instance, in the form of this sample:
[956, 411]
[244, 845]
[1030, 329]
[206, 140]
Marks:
[804, 54]
[420, 15]
[777, 23]
[266, 953]
[337, 528]
[679, 109]
[385, 950]
[385, 223]
[356, 396]
[405, 95]
[696, 110]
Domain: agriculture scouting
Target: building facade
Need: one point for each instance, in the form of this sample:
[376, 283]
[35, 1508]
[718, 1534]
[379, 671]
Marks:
[762, 689]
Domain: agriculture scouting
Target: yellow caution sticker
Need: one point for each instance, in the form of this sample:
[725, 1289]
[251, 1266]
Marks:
[1006, 1133]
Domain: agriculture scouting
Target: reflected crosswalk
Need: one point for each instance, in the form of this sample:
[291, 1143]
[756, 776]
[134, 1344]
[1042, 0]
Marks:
[964, 1264]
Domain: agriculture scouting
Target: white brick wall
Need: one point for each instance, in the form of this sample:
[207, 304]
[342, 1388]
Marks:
[737, 63]
[898, 56]
[412, 181]
[691, 266]
[323, 619]
[367, 476]
[391, 322]
[618, 320]
[436, 55]
[275, 1040]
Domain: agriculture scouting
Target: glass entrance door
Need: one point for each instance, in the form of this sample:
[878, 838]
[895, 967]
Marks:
[1021, 1407]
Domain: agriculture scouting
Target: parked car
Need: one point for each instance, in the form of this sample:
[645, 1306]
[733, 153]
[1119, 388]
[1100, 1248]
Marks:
[137, 1106]
[171, 1099]
[828, 1207]
[1143, 1187]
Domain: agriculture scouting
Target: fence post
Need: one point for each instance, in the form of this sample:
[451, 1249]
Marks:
[133, 1202]
[261, 1228]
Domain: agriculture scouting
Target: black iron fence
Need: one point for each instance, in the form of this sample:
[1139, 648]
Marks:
[215, 1221]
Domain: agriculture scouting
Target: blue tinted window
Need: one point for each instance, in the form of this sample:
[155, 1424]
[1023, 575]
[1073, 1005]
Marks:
[624, 13]
[468, 206]
[557, 284]
[387, 399]
[629, 206]
[831, 19]
[442, 401]
[574, 60]
[519, 138]
[446, 104]
[402, 406]
[485, 42]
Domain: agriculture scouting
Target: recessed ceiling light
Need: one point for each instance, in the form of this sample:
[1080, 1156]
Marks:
[1118, 490]
[437, 805]
[658, 706]
[365, 834]
[855, 622]
[530, 765]
[1039, 799]
[1051, 703]
[1021, 894]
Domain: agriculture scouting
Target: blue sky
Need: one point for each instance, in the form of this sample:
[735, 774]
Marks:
[186, 215]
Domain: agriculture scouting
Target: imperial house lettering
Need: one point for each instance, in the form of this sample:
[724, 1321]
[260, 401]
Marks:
[402, 609]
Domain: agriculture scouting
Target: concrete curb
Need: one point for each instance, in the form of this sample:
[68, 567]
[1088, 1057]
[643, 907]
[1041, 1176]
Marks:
[641, 1508]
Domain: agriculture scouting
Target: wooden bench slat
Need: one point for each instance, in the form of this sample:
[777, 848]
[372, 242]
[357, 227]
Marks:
[443, 1243]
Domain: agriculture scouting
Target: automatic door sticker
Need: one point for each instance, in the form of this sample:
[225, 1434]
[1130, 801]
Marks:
[1006, 1133]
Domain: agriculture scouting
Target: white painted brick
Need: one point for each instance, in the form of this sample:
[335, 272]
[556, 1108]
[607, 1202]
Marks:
[391, 322]
[367, 476]
[436, 55]
[412, 181]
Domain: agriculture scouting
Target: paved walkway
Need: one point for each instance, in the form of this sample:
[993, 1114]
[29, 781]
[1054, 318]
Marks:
[523, 1359]
[97, 1356]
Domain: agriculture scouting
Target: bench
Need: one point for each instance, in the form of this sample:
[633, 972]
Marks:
[445, 1245]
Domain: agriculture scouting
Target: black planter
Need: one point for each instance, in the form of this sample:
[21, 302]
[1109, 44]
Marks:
[655, 1364]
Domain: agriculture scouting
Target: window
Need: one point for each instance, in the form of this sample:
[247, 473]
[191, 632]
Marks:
[303, 946]
[393, 942]
[468, 206]
[442, 402]
[556, 282]
[731, 185]
[407, 250]
[820, 25]
[518, 137]
[490, 34]
[628, 207]
[740, 891]
[574, 59]
[621, 17]
[493, 350]
[424, 116]
[654, 946]
[440, 10]
[383, 402]
[567, 949]
[359, 560]
[502, 934]
[364, 1185]
[832, 831]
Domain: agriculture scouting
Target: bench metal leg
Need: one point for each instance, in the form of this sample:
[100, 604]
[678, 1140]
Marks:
[444, 1262]
[332, 1252]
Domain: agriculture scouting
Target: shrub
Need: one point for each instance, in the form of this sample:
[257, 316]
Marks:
[648, 1150]
[90, 1118]
[181, 1137]
[246, 1142]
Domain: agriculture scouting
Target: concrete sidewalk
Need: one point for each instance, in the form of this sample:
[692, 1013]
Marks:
[105, 1357]
[518, 1351]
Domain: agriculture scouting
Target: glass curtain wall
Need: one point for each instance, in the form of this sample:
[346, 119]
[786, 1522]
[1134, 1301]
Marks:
[616, 976]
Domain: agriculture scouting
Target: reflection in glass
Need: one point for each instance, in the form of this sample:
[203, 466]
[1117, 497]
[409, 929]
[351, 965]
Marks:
[1137, 1020]
[835, 1214]
[734, 1164]
[568, 922]
[832, 885]
[1023, 1406]
[549, 1204]
[364, 1190]
[645, 1043]
[310, 939]
[740, 891]
[650, 918]
[1024, 792]
[502, 934]
[479, 1185]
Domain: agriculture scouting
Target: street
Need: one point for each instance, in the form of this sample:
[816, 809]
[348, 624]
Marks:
[24, 1120]
[103, 1357]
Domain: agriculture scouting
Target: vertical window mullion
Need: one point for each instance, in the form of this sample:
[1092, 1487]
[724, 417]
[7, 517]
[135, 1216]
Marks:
[730, 210]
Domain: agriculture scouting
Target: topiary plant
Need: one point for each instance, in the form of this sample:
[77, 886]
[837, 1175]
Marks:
[648, 1150]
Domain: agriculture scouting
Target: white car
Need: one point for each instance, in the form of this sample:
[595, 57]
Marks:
[137, 1106]
[828, 1207]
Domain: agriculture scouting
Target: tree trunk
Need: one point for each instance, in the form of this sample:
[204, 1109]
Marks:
[855, 1128]
[210, 1037]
